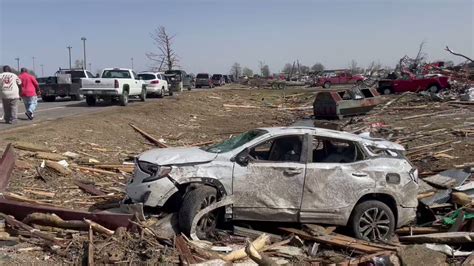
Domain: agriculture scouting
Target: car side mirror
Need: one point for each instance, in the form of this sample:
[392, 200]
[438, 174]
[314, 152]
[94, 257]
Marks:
[243, 158]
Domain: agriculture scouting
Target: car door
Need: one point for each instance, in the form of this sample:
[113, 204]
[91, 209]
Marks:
[336, 177]
[270, 186]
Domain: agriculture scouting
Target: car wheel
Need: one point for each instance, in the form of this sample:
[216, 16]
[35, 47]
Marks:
[194, 201]
[48, 98]
[162, 92]
[327, 85]
[433, 89]
[373, 220]
[387, 91]
[76, 97]
[143, 95]
[91, 100]
[124, 98]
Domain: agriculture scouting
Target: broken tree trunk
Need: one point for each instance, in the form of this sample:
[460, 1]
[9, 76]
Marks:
[53, 220]
[258, 244]
[32, 231]
[260, 259]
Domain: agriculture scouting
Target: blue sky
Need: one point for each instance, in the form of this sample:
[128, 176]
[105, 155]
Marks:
[212, 35]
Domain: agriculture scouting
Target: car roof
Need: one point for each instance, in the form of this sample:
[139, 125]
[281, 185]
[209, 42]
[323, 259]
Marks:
[324, 132]
[148, 72]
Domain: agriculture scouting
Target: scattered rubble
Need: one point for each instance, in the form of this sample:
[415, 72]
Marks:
[55, 213]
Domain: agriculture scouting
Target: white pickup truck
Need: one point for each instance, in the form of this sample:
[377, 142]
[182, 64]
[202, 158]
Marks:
[113, 84]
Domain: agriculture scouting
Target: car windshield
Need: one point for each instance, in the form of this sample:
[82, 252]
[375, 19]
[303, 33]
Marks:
[147, 76]
[216, 76]
[76, 74]
[116, 73]
[236, 141]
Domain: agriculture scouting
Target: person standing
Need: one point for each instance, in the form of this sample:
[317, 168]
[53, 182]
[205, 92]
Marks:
[10, 94]
[29, 87]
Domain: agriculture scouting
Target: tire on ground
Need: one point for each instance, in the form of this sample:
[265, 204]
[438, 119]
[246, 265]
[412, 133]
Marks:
[91, 100]
[361, 208]
[124, 98]
[193, 202]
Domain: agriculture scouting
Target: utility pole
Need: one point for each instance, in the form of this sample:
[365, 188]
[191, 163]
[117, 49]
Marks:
[84, 64]
[42, 70]
[132, 61]
[18, 63]
[34, 66]
[70, 63]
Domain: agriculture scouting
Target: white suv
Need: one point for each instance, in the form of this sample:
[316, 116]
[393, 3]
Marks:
[287, 174]
[156, 83]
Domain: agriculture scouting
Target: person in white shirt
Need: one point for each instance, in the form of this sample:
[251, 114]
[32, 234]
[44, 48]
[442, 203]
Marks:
[10, 94]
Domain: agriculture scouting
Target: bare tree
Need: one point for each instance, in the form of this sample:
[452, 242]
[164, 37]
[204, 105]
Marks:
[265, 71]
[247, 72]
[164, 43]
[318, 67]
[288, 68]
[458, 54]
[236, 70]
[354, 68]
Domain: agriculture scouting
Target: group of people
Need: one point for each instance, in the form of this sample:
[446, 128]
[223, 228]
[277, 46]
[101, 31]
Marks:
[14, 88]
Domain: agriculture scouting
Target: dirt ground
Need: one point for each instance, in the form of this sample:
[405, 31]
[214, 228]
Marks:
[441, 137]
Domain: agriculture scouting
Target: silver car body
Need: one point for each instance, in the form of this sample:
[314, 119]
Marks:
[294, 191]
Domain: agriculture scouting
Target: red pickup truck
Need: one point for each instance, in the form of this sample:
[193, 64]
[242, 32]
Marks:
[338, 78]
[431, 83]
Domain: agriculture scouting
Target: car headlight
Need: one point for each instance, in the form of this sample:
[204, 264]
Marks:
[156, 172]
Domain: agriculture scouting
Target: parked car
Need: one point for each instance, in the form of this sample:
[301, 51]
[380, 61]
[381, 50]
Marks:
[227, 79]
[204, 80]
[156, 83]
[65, 82]
[287, 174]
[431, 83]
[178, 80]
[114, 84]
[339, 78]
[218, 79]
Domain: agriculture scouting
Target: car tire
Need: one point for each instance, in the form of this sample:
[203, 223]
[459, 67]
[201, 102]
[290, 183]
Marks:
[76, 97]
[372, 220]
[387, 91]
[91, 100]
[194, 201]
[433, 89]
[124, 98]
[162, 93]
[327, 85]
[48, 98]
[143, 95]
[170, 92]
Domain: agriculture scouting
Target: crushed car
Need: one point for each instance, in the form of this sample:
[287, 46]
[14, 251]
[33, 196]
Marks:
[345, 102]
[284, 174]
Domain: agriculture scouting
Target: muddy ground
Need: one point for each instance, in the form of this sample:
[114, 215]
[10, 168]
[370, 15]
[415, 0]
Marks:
[204, 116]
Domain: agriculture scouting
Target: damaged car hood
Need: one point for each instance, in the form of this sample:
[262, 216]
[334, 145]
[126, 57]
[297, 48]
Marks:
[169, 156]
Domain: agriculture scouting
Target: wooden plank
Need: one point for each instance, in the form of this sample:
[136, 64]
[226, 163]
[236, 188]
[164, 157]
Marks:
[442, 238]
[184, 251]
[350, 243]
[89, 188]
[149, 137]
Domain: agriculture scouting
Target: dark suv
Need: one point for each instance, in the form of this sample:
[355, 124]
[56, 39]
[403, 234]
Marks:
[218, 79]
[204, 80]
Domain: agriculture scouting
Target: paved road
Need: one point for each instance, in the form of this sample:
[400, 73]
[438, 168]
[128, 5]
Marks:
[58, 109]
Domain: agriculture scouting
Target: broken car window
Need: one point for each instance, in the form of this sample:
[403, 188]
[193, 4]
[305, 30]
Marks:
[283, 149]
[235, 142]
[327, 150]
